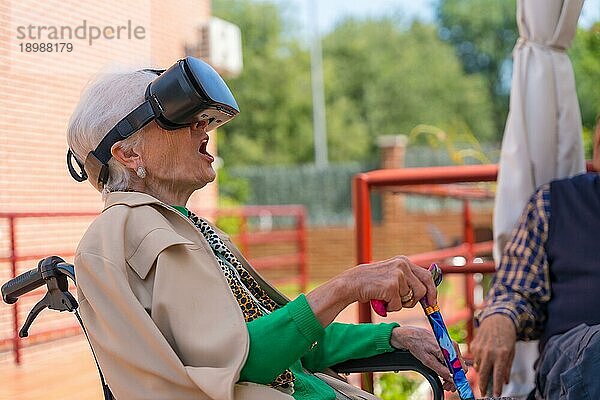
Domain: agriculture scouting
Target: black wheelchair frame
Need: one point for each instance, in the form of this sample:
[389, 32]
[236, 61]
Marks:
[53, 271]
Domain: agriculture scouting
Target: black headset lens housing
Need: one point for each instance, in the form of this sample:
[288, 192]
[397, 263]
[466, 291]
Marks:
[188, 92]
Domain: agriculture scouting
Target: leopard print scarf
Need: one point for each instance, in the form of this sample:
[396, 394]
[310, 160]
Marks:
[252, 299]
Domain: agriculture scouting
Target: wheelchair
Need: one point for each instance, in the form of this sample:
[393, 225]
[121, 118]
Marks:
[54, 272]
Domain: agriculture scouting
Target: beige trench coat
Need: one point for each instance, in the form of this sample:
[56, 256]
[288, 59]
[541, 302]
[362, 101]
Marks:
[159, 313]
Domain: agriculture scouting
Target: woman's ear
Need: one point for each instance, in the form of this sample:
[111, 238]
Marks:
[127, 157]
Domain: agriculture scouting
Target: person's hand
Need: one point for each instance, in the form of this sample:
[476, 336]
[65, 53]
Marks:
[422, 344]
[392, 281]
[493, 351]
[396, 281]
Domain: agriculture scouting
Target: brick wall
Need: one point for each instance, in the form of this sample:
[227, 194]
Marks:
[332, 250]
[39, 92]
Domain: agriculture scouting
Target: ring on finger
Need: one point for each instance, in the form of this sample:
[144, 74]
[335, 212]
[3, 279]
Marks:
[407, 297]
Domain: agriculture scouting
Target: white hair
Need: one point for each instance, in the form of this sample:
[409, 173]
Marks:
[104, 102]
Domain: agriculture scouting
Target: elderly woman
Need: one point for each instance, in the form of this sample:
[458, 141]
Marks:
[172, 309]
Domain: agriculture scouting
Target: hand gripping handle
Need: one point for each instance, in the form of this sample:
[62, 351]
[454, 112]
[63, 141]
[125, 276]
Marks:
[380, 306]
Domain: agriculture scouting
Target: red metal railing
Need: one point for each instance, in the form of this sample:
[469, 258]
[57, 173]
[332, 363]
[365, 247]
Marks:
[295, 236]
[15, 256]
[405, 180]
[426, 181]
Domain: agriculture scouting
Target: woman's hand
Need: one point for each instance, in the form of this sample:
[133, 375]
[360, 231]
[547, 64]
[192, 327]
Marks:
[422, 344]
[391, 281]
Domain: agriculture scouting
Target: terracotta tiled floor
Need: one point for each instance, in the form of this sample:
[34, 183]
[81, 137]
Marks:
[61, 370]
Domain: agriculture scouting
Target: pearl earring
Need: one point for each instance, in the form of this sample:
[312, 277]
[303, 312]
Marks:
[141, 172]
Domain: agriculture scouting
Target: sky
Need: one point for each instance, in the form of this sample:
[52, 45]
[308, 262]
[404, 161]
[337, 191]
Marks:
[331, 11]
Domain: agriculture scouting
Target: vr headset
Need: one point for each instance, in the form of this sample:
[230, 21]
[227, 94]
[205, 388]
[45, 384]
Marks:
[189, 92]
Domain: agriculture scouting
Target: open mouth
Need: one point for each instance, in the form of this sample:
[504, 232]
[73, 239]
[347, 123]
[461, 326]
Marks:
[202, 150]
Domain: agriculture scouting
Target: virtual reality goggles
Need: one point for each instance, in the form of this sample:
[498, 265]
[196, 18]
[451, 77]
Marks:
[190, 91]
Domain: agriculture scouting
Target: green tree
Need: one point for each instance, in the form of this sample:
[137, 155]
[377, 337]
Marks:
[483, 33]
[382, 79]
[273, 91]
[585, 57]
[394, 386]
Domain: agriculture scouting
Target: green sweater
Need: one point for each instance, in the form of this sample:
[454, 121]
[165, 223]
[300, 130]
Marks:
[285, 339]
[292, 337]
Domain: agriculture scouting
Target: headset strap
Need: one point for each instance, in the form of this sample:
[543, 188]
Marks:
[133, 122]
[78, 176]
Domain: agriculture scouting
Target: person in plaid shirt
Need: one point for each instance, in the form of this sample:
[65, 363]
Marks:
[544, 289]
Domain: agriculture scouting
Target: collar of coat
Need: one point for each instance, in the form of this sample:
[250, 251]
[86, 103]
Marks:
[131, 199]
[136, 199]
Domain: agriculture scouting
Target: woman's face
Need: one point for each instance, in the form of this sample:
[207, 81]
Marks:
[177, 160]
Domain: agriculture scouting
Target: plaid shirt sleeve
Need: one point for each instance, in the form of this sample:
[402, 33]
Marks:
[521, 285]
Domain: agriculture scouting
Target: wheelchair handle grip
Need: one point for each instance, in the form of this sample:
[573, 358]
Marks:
[24, 283]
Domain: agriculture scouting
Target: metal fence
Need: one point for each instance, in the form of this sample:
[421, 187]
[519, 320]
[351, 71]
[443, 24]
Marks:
[429, 181]
[26, 238]
[326, 192]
